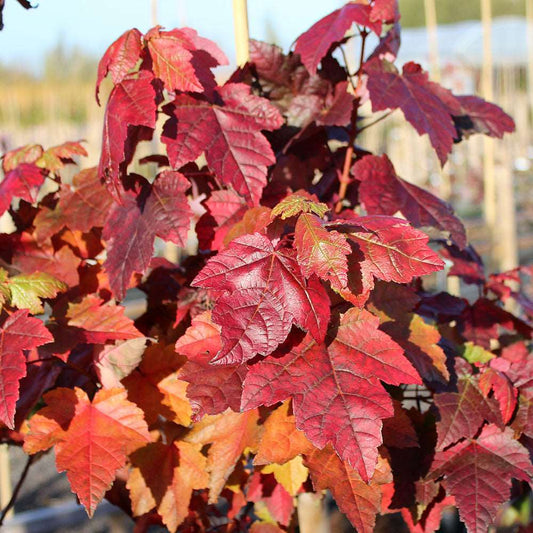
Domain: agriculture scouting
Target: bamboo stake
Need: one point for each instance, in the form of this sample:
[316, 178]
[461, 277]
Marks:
[5, 479]
[433, 41]
[312, 517]
[529, 21]
[487, 81]
[240, 21]
[153, 6]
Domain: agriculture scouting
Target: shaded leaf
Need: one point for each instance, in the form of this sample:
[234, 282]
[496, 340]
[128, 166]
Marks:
[359, 500]
[384, 193]
[478, 473]
[18, 332]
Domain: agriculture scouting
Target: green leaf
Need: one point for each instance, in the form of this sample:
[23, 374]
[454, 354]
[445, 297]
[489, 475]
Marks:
[27, 289]
[476, 354]
[299, 202]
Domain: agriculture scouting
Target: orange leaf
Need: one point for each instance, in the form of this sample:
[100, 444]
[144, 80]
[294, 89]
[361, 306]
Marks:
[164, 476]
[230, 435]
[281, 441]
[358, 500]
[92, 439]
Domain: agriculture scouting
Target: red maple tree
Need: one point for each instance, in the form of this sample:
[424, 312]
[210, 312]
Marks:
[295, 348]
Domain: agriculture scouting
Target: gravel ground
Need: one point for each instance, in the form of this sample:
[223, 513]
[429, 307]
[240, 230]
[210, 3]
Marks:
[45, 488]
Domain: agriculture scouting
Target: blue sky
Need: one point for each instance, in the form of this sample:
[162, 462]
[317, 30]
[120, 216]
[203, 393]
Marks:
[94, 24]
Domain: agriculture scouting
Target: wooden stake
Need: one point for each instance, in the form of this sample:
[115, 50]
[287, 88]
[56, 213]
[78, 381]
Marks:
[487, 91]
[529, 30]
[240, 22]
[312, 517]
[153, 6]
[431, 28]
[5, 478]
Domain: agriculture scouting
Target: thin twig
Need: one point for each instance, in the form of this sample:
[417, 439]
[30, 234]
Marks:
[345, 179]
[382, 117]
[16, 490]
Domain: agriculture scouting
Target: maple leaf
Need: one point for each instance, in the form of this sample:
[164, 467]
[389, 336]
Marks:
[462, 413]
[420, 343]
[23, 181]
[256, 276]
[321, 252]
[298, 203]
[229, 434]
[225, 209]
[504, 392]
[384, 193]
[101, 322]
[478, 473]
[393, 250]
[272, 502]
[27, 289]
[91, 439]
[398, 431]
[163, 477]
[229, 134]
[18, 332]
[291, 475]
[314, 44]
[25, 154]
[86, 203]
[281, 441]
[427, 106]
[30, 256]
[156, 388]
[212, 389]
[337, 397]
[55, 158]
[359, 500]
[120, 58]
[159, 210]
[385, 10]
[479, 116]
[131, 105]
[113, 362]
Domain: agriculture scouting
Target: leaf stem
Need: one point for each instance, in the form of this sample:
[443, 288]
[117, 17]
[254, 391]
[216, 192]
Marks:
[345, 177]
[382, 117]
[16, 490]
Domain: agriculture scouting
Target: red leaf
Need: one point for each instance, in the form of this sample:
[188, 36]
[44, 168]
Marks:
[86, 203]
[225, 209]
[29, 257]
[359, 500]
[393, 249]
[462, 413]
[101, 322]
[229, 134]
[504, 392]
[321, 252]
[425, 104]
[56, 157]
[314, 44]
[383, 192]
[133, 225]
[336, 397]
[92, 439]
[171, 56]
[120, 58]
[21, 182]
[484, 118]
[256, 277]
[212, 389]
[385, 10]
[358, 339]
[131, 103]
[478, 473]
[18, 332]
